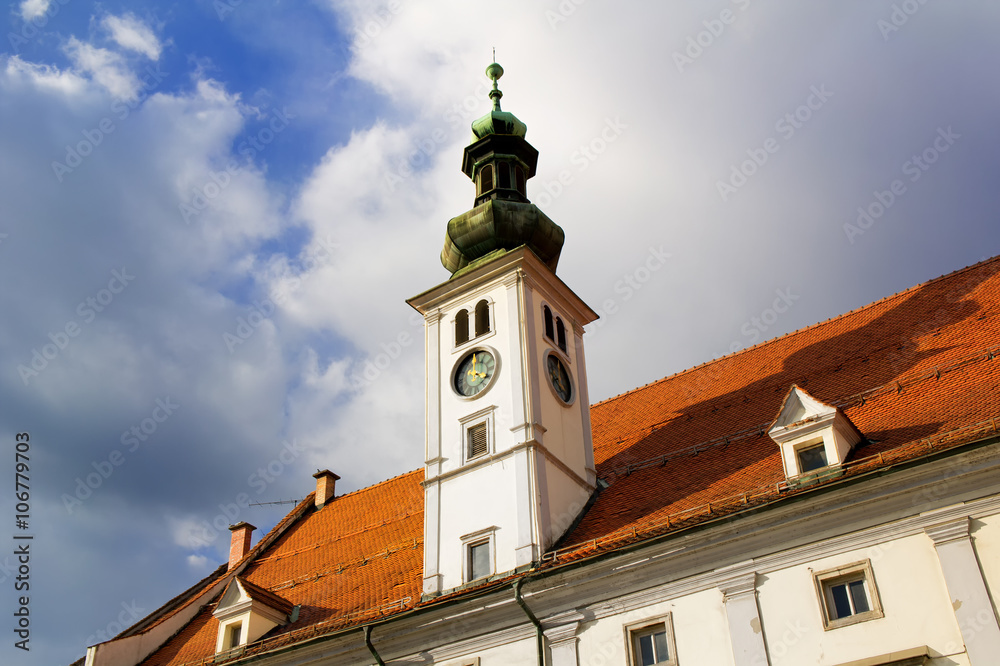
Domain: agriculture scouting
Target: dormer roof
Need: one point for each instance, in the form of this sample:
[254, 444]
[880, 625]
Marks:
[241, 591]
[799, 408]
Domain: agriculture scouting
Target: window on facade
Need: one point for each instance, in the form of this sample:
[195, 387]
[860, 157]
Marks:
[848, 595]
[479, 560]
[462, 327]
[519, 179]
[847, 598]
[547, 315]
[652, 644]
[561, 334]
[234, 634]
[811, 457]
[482, 318]
[486, 179]
[477, 440]
[503, 175]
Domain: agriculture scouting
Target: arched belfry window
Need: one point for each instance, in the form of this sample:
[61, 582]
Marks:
[547, 313]
[482, 317]
[519, 180]
[561, 334]
[503, 175]
[461, 327]
[486, 179]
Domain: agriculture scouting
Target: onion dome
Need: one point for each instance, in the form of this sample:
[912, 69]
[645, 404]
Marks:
[499, 161]
[497, 121]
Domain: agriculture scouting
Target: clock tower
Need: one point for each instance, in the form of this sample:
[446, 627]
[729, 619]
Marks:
[509, 462]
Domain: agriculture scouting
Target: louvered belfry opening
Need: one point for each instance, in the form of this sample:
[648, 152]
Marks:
[478, 443]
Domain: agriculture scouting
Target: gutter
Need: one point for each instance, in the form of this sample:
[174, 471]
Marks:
[534, 620]
[371, 648]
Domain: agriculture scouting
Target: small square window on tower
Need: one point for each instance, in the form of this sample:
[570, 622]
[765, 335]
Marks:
[848, 595]
[651, 642]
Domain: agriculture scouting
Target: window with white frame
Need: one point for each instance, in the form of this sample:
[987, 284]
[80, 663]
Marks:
[479, 560]
[651, 642]
[477, 434]
[479, 554]
[811, 457]
[848, 595]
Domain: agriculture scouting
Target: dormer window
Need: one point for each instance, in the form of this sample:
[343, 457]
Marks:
[811, 457]
[246, 612]
[815, 438]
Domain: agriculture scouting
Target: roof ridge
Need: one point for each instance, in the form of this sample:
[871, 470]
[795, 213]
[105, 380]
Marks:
[797, 331]
[380, 483]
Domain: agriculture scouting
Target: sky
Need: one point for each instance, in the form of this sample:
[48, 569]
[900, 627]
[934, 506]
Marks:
[212, 212]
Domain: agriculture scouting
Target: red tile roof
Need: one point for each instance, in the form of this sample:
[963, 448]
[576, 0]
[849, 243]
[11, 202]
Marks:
[915, 372]
[359, 555]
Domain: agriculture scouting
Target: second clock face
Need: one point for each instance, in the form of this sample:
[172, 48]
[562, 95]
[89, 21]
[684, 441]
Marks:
[475, 373]
[559, 378]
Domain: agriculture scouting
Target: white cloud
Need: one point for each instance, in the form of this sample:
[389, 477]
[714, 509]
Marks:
[131, 33]
[197, 561]
[44, 76]
[106, 68]
[31, 9]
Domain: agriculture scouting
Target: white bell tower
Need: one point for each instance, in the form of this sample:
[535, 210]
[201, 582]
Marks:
[509, 461]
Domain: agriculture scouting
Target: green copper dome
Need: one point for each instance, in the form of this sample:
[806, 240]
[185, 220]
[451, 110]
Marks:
[499, 161]
[497, 121]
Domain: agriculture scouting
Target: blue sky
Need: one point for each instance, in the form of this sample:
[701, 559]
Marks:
[213, 212]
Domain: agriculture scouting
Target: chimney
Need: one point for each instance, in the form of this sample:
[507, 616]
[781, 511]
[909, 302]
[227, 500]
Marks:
[325, 482]
[239, 545]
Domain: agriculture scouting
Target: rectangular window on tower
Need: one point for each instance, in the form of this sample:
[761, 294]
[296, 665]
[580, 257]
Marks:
[478, 443]
[479, 560]
[479, 555]
[477, 435]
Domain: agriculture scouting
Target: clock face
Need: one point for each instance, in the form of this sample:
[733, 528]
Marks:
[559, 378]
[475, 373]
